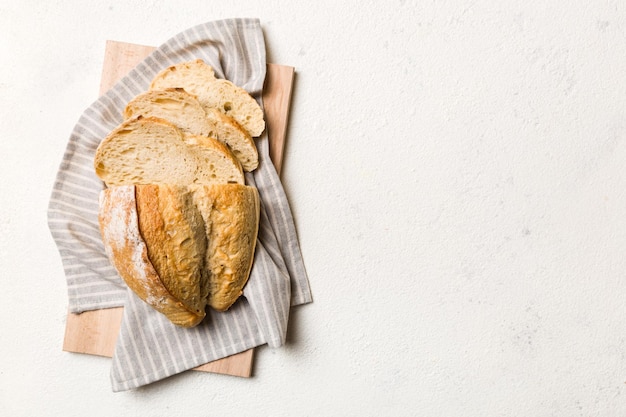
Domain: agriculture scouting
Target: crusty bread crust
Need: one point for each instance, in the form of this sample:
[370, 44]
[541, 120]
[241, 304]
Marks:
[173, 231]
[126, 248]
[231, 215]
[237, 138]
[181, 248]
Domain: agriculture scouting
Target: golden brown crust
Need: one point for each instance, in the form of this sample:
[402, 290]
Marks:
[231, 214]
[182, 248]
[129, 255]
[178, 222]
[173, 230]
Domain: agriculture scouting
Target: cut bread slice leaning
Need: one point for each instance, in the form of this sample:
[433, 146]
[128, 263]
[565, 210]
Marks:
[236, 137]
[181, 248]
[198, 78]
[149, 150]
[185, 111]
[174, 105]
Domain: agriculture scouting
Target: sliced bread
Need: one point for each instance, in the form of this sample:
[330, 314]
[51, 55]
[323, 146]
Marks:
[184, 110]
[174, 105]
[198, 78]
[149, 150]
[237, 138]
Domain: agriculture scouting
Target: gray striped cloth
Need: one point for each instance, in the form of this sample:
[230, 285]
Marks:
[149, 347]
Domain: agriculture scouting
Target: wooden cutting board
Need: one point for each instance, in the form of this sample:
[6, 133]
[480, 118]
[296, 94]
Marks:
[95, 332]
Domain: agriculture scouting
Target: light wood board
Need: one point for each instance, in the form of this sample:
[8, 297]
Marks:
[95, 332]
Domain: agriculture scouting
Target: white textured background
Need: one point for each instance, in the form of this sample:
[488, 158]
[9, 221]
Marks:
[457, 173]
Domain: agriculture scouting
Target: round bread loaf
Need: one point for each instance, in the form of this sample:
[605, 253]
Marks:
[181, 248]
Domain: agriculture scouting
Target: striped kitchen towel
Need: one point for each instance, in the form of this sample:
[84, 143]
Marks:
[149, 347]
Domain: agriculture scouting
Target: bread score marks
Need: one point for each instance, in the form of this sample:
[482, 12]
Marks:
[198, 78]
[127, 251]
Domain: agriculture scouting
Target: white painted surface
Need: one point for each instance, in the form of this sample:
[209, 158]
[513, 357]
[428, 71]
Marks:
[456, 172]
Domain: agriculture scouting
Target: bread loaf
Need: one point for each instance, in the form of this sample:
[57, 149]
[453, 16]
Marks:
[181, 248]
[151, 150]
[198, 78]
[177, 220]
[184, 111]
[128, 252]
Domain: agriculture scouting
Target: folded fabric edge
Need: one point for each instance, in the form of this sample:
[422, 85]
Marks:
[120, 385]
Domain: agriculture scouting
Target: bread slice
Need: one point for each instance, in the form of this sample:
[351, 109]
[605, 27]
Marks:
[237, 138]
[174, 105]
[231, 216]
[184, 110]
[181, 248]
[198, 78]
[151, 150]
